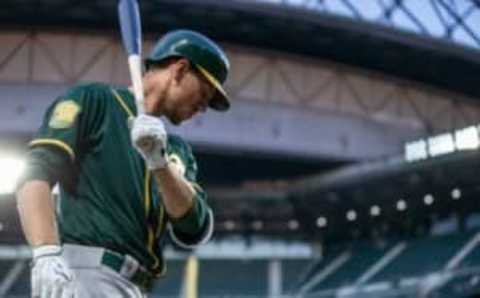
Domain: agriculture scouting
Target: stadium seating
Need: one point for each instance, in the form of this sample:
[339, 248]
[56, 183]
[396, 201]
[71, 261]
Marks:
[292, 272]
[423, 256]
[249, 277]
[4, 268]
[472, 259]
[233, 278]
[404, 274]
[170, 285]
[21, 288]
[361, 259]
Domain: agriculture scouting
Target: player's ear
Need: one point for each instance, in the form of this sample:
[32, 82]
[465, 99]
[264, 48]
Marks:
[180, 69]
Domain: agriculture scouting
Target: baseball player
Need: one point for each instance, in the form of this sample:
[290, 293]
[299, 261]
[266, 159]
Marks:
[124, 182]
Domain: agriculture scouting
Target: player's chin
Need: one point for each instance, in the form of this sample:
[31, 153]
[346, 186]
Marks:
[181, 116]
[177, 119]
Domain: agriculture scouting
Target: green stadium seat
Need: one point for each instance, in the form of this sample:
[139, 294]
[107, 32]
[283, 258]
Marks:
[171, 284]
[233, 278]
[423, 256]
[292, 271]
[359, 262]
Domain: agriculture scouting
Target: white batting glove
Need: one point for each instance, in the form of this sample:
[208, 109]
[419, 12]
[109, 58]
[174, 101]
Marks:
[51, 276]
[149, 137]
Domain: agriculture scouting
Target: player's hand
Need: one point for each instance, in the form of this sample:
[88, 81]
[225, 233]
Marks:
[149, 137]
[51, 276]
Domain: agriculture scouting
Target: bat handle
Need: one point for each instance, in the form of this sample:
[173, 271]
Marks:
[134, 64]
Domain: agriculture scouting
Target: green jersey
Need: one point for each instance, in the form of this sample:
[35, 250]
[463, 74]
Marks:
[108, 198]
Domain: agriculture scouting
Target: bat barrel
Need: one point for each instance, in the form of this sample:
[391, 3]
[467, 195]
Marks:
[129, 17]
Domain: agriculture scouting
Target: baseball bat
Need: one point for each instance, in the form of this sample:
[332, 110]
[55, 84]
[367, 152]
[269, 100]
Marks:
[130, 24]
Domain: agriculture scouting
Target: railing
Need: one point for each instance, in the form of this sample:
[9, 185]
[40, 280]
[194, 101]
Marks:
[465, 280]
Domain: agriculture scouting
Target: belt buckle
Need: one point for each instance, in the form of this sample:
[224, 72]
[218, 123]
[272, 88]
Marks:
[143, 278]
[129, 267]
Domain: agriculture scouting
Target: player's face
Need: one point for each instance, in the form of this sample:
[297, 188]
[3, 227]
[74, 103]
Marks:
[188, 95]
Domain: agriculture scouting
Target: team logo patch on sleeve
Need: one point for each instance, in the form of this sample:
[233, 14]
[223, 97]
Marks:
[64, 114]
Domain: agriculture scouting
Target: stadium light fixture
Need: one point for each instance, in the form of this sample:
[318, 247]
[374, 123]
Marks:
[428, 199]
[375, 210]
[351, 215]
[441, 144]
[257, 225]
[416, 150]
[456, 193]
[10, 170]
[229, 225]
[467, 138]
[322, 222]
[293, 224]
[401, 205]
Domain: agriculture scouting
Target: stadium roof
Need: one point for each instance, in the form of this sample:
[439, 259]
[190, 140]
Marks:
[286, 28]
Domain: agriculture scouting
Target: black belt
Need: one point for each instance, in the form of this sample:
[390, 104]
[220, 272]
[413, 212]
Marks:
[140, 277]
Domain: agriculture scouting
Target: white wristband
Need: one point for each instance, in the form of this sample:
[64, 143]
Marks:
[46, 250]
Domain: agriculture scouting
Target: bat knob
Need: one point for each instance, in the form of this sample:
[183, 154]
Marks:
[146, 144]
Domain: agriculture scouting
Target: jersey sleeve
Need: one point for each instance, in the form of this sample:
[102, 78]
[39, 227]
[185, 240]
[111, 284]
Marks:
[196, 226]
[68, 123]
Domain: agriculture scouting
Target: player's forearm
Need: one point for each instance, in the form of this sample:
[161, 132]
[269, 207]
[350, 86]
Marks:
[37, 213]
[178, 195]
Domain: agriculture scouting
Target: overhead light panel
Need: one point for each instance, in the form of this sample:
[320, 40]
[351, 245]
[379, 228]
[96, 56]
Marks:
[441, 144]
[467, 138]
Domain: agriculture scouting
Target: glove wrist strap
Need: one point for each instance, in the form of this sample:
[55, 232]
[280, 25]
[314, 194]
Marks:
[46, 251]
